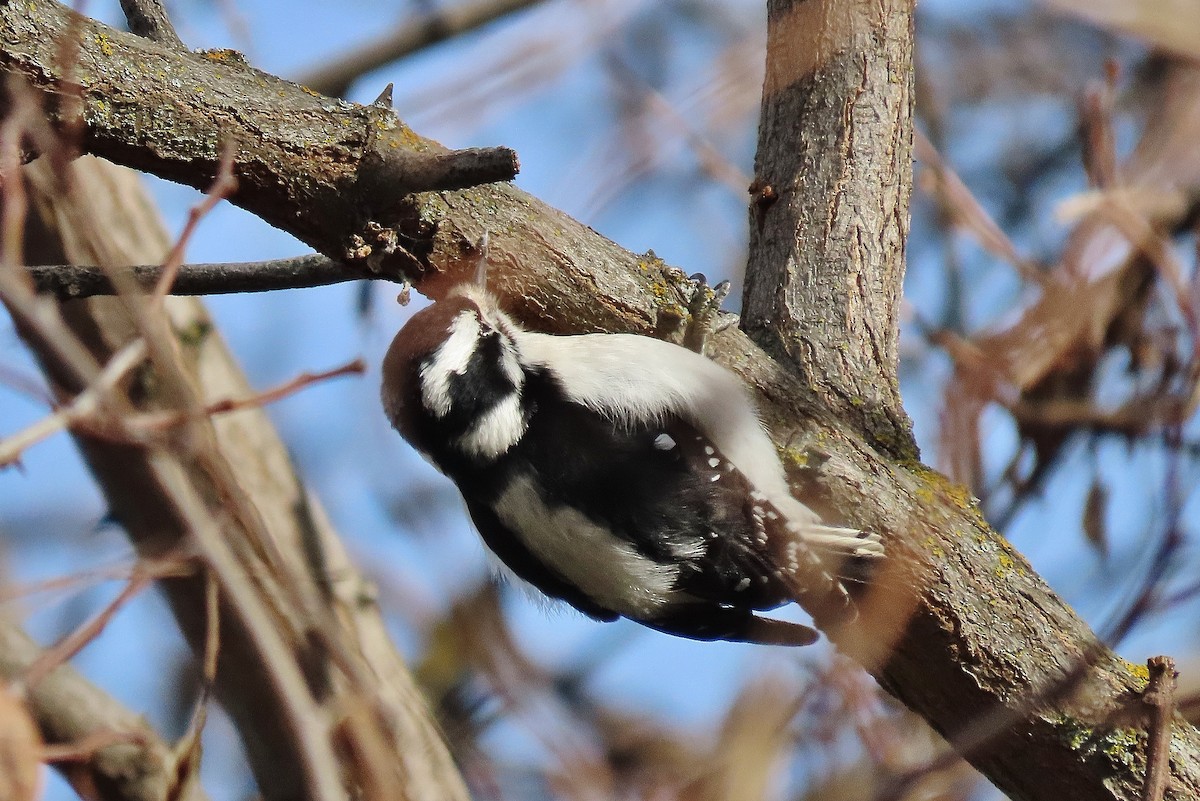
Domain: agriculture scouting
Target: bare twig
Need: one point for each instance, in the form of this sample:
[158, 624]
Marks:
[85, 413]
[715, 163]
[1099, 138]
[187, 750]
[158, 421]
[431, 27]
[148, 18]
[85, 405]
[212, 630]
[74, 642]
[85, 750]
[120, 572]
[68, 281]
[1160, 698]
[224, 185]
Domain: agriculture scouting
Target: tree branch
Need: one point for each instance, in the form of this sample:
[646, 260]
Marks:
[149, 19]
[428, 28]
[70, 710]
[826, 264]
[67, 281]
[383, 177]
[169, 113]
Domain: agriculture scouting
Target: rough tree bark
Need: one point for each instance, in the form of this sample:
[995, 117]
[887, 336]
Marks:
[833, 175]
[959, 627]
[70, 711]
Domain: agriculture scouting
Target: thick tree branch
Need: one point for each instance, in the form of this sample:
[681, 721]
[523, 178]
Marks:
[959, 624]
[169, 113]
[826, 262]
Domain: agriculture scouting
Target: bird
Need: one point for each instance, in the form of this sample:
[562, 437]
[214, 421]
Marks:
[625, 475]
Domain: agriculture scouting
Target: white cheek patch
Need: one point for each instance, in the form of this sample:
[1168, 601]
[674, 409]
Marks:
[497, 430]
[509, 362]
[451, 358]
[606, 568]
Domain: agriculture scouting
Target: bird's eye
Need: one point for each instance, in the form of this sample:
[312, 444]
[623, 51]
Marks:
[664, 442]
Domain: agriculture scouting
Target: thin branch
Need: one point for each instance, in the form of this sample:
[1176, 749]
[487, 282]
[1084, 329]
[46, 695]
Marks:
[962, 207]
[85, 750]
[431, 27]
[86, 578]
[1160, 698]
[148, 18]
[86, 404]
[67, 281]
[188, 749]
[1099, 137]
[85, 412]
[74, 642]
[158, 421]
[391, 176]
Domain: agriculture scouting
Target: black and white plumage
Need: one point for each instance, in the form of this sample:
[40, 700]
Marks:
[627, 476]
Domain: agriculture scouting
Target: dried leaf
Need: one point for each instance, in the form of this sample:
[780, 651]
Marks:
[1094, 526]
